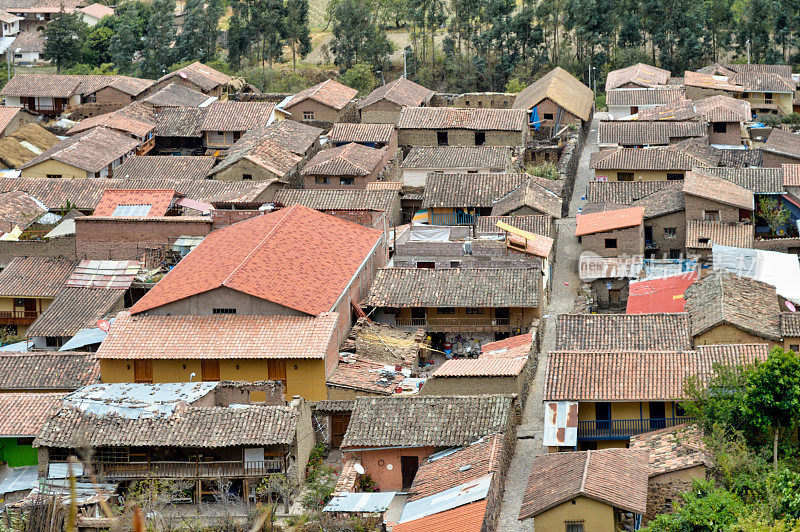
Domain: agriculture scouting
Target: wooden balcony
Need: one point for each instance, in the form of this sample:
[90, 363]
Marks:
[453, 218]
[146, 146]
[457, 324]
[18, 317]
[193, 470]
[623, 429]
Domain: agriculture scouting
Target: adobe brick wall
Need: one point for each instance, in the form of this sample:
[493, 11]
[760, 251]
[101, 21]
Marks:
[380, 112]
[630, 241]
[773, 160]
[695, 207]
[664, 244]
[107, 238]
[569, 161]
[490, 100]
[732, 135]
[783, 245]
[62, 247]
[410, 138]
[223, 217]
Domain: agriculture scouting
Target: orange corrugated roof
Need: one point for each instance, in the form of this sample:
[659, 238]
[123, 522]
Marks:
[465, 518]
[598, 222]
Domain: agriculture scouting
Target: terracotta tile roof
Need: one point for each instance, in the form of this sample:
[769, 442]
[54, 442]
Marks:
[362, 133]
[237, 116]
[137, 119]
[364, 375]
[617, 477]
[97, 11]
[159, 167]
[670, 158]
[721, 108]
[329, 93]
[465, 518]
[333, 406]
[638, 97]
[703, 235]
[791, 175]
[481, 367]
[783, 143]
[648, 133]
[454, 118]
[624, 192]
[601, 222]
[538, 224]
[35, 276]
[324, 253]
[296, 137]
[340, 200]
[200, 75]
[352, 159]
[623, 332]
[90, 150]
[29, 41]
[18, 208]
[60, 370]
[455, 287]
[725, 298]
[673, 449]
[663, 294]
[23, 414]
[469, 190]
[401, 91]
[758, 180]
[740, 158]
[416, 421]
[452, 468]
[513, 346]
[561, 87]
[493, 158]
[7, 114]
[39, 6]
[664, 201]
[158, 200]
[711, 81]
[175, 95]
[44, 85]
[180, 122]
[530, 194]
[636, 375]
[790, 324]
[640, 74]
[207, 427]
[396, 186]
[703, 185]
[74, 309]
[218, 336]
[257, 147]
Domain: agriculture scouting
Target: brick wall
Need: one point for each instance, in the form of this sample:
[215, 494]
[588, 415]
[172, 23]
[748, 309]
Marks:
[664, 244]
[223, 217]
[695, 207]
[630, 241]
[490, 100]
[62, 247]
[773, 160]
[783, 245]
[409, 138]
[107, 238]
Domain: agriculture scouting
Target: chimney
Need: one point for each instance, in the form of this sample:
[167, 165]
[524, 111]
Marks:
[296, 401]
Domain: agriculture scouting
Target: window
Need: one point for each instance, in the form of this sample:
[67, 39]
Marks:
[670, 232]
[142, 371]
[308, 115]
[795, 347]
[131, 210]
[767, 97]
[19, 302]
[322, 180]
[611, 243]
[703, 240]
[223, 311]
[480, 103]
[441, 138]
[237, 135]
[221, 133]
[455, 263]
[624, 176]
[428, 265]
[548, 116]
[480, 138]
[17, 56]
[52, 341]
[445, 310]
[53, 176]
[574, 526]
[674, 254]
[347, 181]
[247, 177]
[674, 177]
[24, 441]
[720, 127]
[474, 310]
[711, 216]
[466, 103]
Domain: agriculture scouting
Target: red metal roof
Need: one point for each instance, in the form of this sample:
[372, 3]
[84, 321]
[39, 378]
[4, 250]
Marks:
[599, 222]
[466, 518]
[659, 295]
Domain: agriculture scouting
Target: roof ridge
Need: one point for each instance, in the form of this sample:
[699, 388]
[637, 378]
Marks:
[585, 471]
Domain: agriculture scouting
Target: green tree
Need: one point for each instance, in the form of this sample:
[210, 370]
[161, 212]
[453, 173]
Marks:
[772, 211]
[238, 35]
[361, 78]
[65, 38]
[706, 508]
[269, 17]
[297, 30]
[98, 42]
[356, 38]
[127, 41]
[200, 31]
[160, 35]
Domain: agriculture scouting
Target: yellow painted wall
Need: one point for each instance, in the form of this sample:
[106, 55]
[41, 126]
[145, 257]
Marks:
[596, 516]
[307, 380]
[638, 175]
[728, 334]
[54, 168]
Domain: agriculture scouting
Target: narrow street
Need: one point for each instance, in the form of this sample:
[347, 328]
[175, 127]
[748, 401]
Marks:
[564, 289]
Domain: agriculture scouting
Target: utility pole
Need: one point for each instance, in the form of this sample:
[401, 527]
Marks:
[594, 72]
[405, 69]
[748, 51]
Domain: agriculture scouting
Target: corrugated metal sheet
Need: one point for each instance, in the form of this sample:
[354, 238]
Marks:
[560, 424]
[448, 499]
[360, 502]
[114, 274]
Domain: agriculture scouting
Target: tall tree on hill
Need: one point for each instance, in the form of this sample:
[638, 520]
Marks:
[356, 38]
[297, 30]
[160, 37]
[269, 18]
[132, 20]
[64, 39]
[239, 40]
[200, 31]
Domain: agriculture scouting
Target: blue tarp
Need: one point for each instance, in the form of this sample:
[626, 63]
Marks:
[535, 121]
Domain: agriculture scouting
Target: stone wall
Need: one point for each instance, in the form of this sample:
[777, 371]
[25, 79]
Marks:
[569, 161]
[62, 247]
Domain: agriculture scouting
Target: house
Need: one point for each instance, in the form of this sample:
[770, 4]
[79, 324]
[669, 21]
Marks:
[255, 157]
[768, 88]
[12, 119]
[426, 160]
[646, 134]
[177, 95]
[94, 290]
[458, 488]
[141, 431]
[538, 196]
[456, 199]
[301, 139]
[10, 25]
[349, 166]
[631, 332]
[677, 456]
[135, 120]
[458, 300]
[782, 147]
[591, 490]
[94, 13]
[28, 48]
[623, 103]
[201, 78]
[726, 117]
[701, 236]
[370, 135]
[383, 105]
[323, 265]
[36, 16]
[632, 391]
[31, 388]
[487, 374]
[324, 103]
[379, 209]
[18, 211]
[27, 286]
[178, 131]
[713, 199]
[391, 436]
[660, 294]
[612, 233]
[175, 167]
[790, 331]
[638, 76]
[447, 126]
[226, 122]
[94, 153]
[655, 164]
[535, 224]
[721, 307]
[555, 100]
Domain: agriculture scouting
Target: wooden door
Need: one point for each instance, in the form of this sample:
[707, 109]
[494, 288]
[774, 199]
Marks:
[276, 369]
[209, 370]
[339, 424]
[142, 371]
